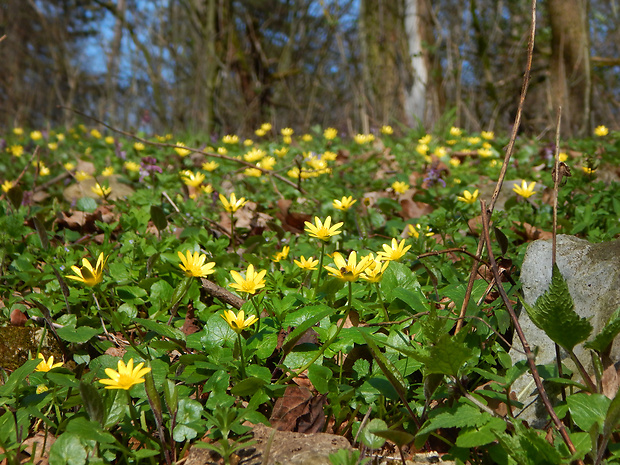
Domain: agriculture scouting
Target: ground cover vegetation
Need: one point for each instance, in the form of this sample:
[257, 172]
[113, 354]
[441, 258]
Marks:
[180, 288]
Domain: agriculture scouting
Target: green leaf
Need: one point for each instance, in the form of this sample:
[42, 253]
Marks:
[448, 356]
[161, 329]
[77, 335]
[555, 314]
[459, 416]
[319, 376]
[92, 402]
[476, 436]
[171, 396]
[158, 216]
[89, 431]
[397, 276]
[587, 410]
[315, 314]
[247, 386]
[400, 438]
[16, 378]
[188, 420]
[369, 438]
[67, 450]
[86, 204]
[602, 340]
[387, 367]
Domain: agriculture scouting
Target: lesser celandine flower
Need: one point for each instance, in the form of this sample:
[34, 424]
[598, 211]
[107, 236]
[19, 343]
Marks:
[192, 179]
[230, 139]
[18, 131]
[363, 138]
[132, 166]
[108, 171]
[36, 135]
[95, 133]
[7, 186]
[329, 156]
[563, 156]
[238, 322]
[16, 150]
[425, 140]
[233, 204]
[468, 197]
[395, 252]
[43, 170]
[282, 254]
[222, 150]
[487, 135]
[374, 272]
[194, 264]
[87, 274]
[344, 204]
[309, 264]
[422, 149]
[323, 231]
[260, 132]
[400, 187]
[473, 140]
[252, 281]
[126, 376]
[266, 126]
[440, 152]
[210, 165]
[206, 189]
[109, 140]
[101, 191]
[267, 163]
[281, 151]
[286, 132]
[484, 153]
[138, 146]
[525, 190]
[181, 150]
[330, 133]
[414, 231]
[82, 175]
[347, 270]
[455, 161]
[47, 365]
[306, 137]
[387, 130]
[253, 172]
[52, 145]
[588, 170]
[254, 155]
[601, 131]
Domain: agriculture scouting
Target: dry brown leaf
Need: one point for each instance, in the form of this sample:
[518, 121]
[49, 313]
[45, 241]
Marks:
[298, 411]
[412, 209]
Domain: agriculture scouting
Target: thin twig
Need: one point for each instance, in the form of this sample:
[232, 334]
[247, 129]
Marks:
[509, 152]
[526, 347]
[175, 146]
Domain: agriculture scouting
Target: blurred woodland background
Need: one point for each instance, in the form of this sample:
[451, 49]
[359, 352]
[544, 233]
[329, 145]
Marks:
[224, 66]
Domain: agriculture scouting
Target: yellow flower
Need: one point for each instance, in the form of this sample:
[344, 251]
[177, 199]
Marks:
[395, 252]
[108, 171]
[18, 131]
[387, 130]
[132, 166]
[323, 231]
[36, 135]
[52, 145]
[360, 138]
[563, 156]
[194, 265]
[455, 132]
[207, 189]
[248, 142]
[252, 281]
[348, 270]
[451, 142]
[287, 132]
[487, 135]
[287, 139]
[422, 149]
[82, 175]
[81, 127]
[425, 140]
[306, 137]
[281, 151]
[109, 140]
[254, 155]
[233, 204]
[375, 269]
[400, 187]
[485, 153]
[414, 231]
[47, 365]
[180, 150]
[473, 140]
[330, 133]
[210, 165]
[601, 131]
[306, 264]
[267, 163]
[329, 156]
[43, 170]
[126, 376]
[230, 139]
[440, 152]
[455, 162]
[266, 126]
[138, 146]
[95, 133]
[525, 190]
[282, 254]
[7, 186]
[192, 179]
[16, 150]
[222, 150]
[101, 191]
[253, 172]
[344, 204]
[238, 322]
[468, 197]
[260, 132]
[41, 388]
[588, 170]
[60, 137]
[87, 274]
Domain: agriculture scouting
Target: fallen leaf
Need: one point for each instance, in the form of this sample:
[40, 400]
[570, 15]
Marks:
[298, 411]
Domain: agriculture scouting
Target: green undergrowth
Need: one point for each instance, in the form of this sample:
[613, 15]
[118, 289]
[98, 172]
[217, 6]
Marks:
[93, 227]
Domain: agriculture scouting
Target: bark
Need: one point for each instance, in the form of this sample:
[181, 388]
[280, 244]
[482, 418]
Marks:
[570, 70]
[114, 55]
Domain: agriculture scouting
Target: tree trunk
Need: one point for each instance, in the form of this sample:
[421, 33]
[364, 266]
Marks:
[114, 56]
[570, 64]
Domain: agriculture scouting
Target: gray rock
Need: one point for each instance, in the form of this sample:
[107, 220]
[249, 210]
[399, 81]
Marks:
[592, 273]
